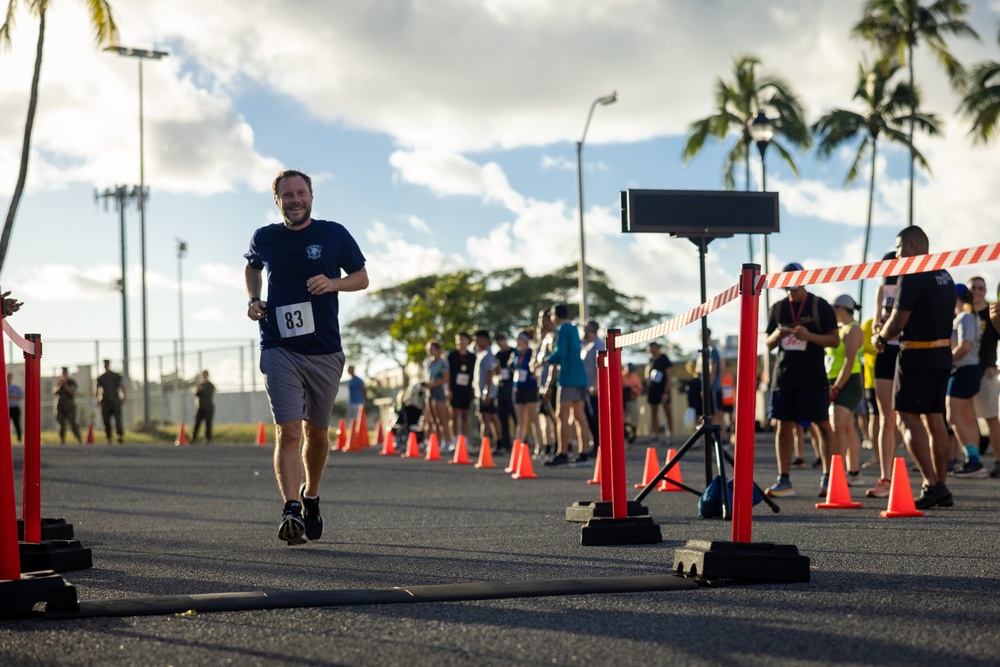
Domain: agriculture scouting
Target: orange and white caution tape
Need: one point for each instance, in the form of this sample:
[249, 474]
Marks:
[27, 346]
[679, 322]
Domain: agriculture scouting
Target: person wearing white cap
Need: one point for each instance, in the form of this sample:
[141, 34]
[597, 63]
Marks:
[846, 389]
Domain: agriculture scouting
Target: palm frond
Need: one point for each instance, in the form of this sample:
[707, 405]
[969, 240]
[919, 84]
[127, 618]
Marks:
[8, 24]
[103, 22]
[863, 153]
[786, 156]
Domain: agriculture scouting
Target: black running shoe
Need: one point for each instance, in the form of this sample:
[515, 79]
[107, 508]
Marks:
[934, 496]
[557, 460]
[581, 461]
[292, 528]
[311, 516]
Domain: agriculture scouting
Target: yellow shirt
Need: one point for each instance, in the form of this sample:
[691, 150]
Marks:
[868, 353]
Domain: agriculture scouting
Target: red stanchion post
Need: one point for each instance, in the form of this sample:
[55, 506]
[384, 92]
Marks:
[10, 556]
[604, 423]
[746, 404]
[619, 487]
[31, 492]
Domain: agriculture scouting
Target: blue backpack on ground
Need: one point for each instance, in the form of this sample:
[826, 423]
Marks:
[710, 505]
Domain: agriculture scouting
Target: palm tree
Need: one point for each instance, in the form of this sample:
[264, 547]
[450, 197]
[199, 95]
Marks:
[982, 100]
[898, 26]
[106, 33]
[737, 104]
[886, 110]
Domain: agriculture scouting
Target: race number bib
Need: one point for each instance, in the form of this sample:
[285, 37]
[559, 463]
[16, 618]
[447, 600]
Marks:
[504, 374]
[792, 344]
[522, 375]
[656, 377]
[296, 319]
[462, 379]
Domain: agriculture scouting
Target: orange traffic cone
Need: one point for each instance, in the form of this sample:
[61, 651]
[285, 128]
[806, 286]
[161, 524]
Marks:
[652, 467]
[90, 434]
[380, 436]
[515, 452]
[389, 445]
[838, 494]
[485, 457]
[182, 438]
[461, 456]
[673, 476]
[433, 450]
[900, 495]
[596, 479]
[261, 435]
[524, 469]
[363, 430]
[412, 448]
[342, 436]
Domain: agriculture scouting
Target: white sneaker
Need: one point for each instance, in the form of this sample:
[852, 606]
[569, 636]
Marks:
[855, 480]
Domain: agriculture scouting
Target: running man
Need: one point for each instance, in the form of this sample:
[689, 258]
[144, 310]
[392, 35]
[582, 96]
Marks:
[301, 355]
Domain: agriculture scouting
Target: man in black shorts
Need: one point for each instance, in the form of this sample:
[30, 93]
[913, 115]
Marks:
[658, 391]
[462, 363]
[800, 327]
[921, 317]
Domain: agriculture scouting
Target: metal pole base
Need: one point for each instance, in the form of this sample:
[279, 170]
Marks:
[58, 555]
[629, 530]
[750, 561]
[583, 511]
[52, 529]
[19, 596]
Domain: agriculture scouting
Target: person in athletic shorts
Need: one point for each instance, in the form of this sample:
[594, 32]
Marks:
[921, 317]
[461, 362]
[846, 390]
[800, 327]
[963, 384]
[658, 376]
[436, 375]
[572, 390]
[301, 355]
[505, 396]
[486, 389]
[525, 388]
[589, 348]
[885, 373]
[987, 401]
[546, 375]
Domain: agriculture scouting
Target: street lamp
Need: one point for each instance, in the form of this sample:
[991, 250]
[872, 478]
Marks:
[603, 101]
[142, 54]
[181, 251]
[762, 131]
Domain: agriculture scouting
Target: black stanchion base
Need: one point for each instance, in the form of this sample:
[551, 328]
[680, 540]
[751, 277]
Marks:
[630, 530]
[58, 555]
[583, 511]
[52, 529]
[19, 596]
[750, 561]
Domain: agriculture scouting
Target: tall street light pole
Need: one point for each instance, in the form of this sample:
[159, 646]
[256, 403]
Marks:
[762, 131]
[603, 101]
[142, 54]
[181, 251]
[121, 194]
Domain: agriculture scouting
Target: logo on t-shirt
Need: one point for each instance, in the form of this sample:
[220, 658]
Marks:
[314, 251]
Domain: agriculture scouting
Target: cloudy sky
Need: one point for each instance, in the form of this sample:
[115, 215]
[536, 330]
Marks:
[442, 134]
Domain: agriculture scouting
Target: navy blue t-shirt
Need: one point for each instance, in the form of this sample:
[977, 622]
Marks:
[296, 319]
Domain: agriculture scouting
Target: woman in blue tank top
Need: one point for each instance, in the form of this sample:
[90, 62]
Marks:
[436, 378]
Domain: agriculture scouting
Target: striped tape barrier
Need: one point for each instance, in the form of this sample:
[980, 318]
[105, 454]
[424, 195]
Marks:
[834, 274]
[26, 346]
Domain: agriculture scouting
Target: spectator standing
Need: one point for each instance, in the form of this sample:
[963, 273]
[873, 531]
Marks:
[65, 393]
[572, 389]
[15, 397]
[658, 377]
[963, 384]
[800, 326]
[204, 392]
[986, 402]
[110, 395]
[505, 396]
[632, 389]
[525, 389]
[921, 318]
[546, 375]
[486, 387]
[461, 362]
[436, 375]
[885, 373]
[589, 348]
[846, 387]
[357, 396]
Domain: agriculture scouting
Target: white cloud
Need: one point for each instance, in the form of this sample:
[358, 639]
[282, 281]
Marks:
[210, 314]
[64, 282]
[418, 224]
[549, 162]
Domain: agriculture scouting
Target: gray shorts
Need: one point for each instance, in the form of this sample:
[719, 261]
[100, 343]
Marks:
[571, 394]
[301, 386]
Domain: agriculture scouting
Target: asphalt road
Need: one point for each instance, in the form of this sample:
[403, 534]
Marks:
[165, 521]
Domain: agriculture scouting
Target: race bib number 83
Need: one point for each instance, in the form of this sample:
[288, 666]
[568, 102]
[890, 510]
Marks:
[295, 319]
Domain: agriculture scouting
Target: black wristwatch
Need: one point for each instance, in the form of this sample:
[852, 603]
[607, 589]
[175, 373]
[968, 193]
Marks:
[879, 339]
[252, 300]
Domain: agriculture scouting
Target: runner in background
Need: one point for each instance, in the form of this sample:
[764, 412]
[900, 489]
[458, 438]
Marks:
[885, 373]
[461, 362]
[986, 402]
[964, 382]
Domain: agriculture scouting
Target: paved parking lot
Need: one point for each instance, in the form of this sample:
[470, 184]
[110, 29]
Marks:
[167, 521]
